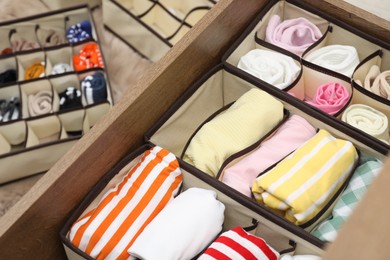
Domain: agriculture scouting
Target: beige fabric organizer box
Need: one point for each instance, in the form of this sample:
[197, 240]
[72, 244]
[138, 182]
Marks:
[151, 27]
[46, 128]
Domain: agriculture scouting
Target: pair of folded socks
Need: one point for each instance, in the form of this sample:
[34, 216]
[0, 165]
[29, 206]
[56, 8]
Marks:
[35, 70]
[287, 138]
[8, 76]
[369, 120]
[22, 44]
[89, 57]
[357, 187]
[378, 82]
[94, 87]
[79, 32]
[70, 98]
[245, 122]
[294, 35]
[330, 98]
[60, 68]
[9, 109]
[123, 213]
[339, 58]
[302, 184]
[272, 67]
[40, 103]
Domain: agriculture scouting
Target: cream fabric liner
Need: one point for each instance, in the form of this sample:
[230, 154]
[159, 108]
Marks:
[8, 63]
[63, 55]
[15, 132]
[32, 88]
[44, 130]
[5, 147]
[133, 32]
[235, 215]
[4, 33]
[137, 7]
[25, 31]
[9, 92]
[26, 60]
[57, 4]
[50, 23]
[73, 120]
[180, 8]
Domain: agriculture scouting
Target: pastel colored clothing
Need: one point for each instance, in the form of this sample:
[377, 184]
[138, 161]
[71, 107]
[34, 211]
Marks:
[183, 228]
[369, 120]
[272, 67]
[330, 98]
[294, 35]
[378, 82]
[288, 137]
[304, 182]
[238, 244]
[251, 117]
[107, 231]
[339, 58]
[351, 196]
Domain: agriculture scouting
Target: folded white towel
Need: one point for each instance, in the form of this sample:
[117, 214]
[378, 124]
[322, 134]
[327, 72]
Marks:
[340, 58]
[183, 228]
[272, 67]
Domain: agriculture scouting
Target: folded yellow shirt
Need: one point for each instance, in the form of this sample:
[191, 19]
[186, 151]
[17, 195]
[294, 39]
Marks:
[252, 116]
[303, 183]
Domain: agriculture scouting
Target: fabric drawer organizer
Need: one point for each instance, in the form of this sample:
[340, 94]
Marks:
[235, 213]
[53, 90]
[152, 27]
[318, 60]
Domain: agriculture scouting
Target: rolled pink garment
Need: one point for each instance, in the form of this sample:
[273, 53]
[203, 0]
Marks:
[330, 98]
[289, 136]
[294, 35]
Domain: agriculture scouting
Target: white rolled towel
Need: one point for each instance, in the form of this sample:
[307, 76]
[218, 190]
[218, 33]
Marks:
[300, 257]
[183, 228]
[369, 120]
[340, 58]
[272, 67]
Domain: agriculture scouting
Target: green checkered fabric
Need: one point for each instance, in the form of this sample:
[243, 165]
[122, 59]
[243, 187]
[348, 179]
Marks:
[354, 192]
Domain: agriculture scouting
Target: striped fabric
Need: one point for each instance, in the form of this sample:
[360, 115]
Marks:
[107, 231]
[238, 244]
[305, 181]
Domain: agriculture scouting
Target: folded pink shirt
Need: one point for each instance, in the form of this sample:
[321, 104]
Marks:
[330, 98]
[289, 136]
[294, 35]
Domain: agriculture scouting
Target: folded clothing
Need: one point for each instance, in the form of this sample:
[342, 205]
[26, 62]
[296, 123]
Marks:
[52, 37]
[40, 103]
[94, 87]
[79, 32]
[251, 117]
[36, 70]
[339, 58]
[21, 44]
[357, 187]
[8, 76]
[107, 231]
[6, 51]
[294, 35]
[330, 98]
[378, 82]
[302, 184]
[60, 68]
[369, 120]
[239, 244]
[183, 228]
[288, 137]
[9, 109]
[70, 98]
[274, 68]
[88, 57]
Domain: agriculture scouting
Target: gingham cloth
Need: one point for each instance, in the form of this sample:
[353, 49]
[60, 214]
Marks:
[357, 187]
[79, 32]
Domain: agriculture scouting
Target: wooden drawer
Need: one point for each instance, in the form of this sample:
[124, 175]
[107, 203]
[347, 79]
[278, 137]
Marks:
[32, 226]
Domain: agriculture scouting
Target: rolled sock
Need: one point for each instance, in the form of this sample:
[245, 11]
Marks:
[239, 244]
[183, 228]
[356, 189]
[251, 117]
[339, 58]
[381, 85]
[52, 38]
[288, 137]
[8, 76]
[274, 68]
[70, 98]
[95, 88]
[22, 44]
[60, 68]
[88, 57]
[6, 51]
[36, 70]
[330, 98]
[107, 231]
[370, 77]
[300, 257]
[367, 119]
[294, 35]
[300, 193]
[79, 32]
[40, 103]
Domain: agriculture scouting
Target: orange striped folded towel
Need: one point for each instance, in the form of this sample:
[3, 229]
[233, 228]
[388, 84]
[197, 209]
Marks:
[107, 231]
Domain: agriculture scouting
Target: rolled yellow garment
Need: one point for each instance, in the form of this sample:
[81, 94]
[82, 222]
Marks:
[302, 184]
[369, 120]
[252, 116]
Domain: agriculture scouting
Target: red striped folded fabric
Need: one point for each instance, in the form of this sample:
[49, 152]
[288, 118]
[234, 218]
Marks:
[107, 231]
[238, 244]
